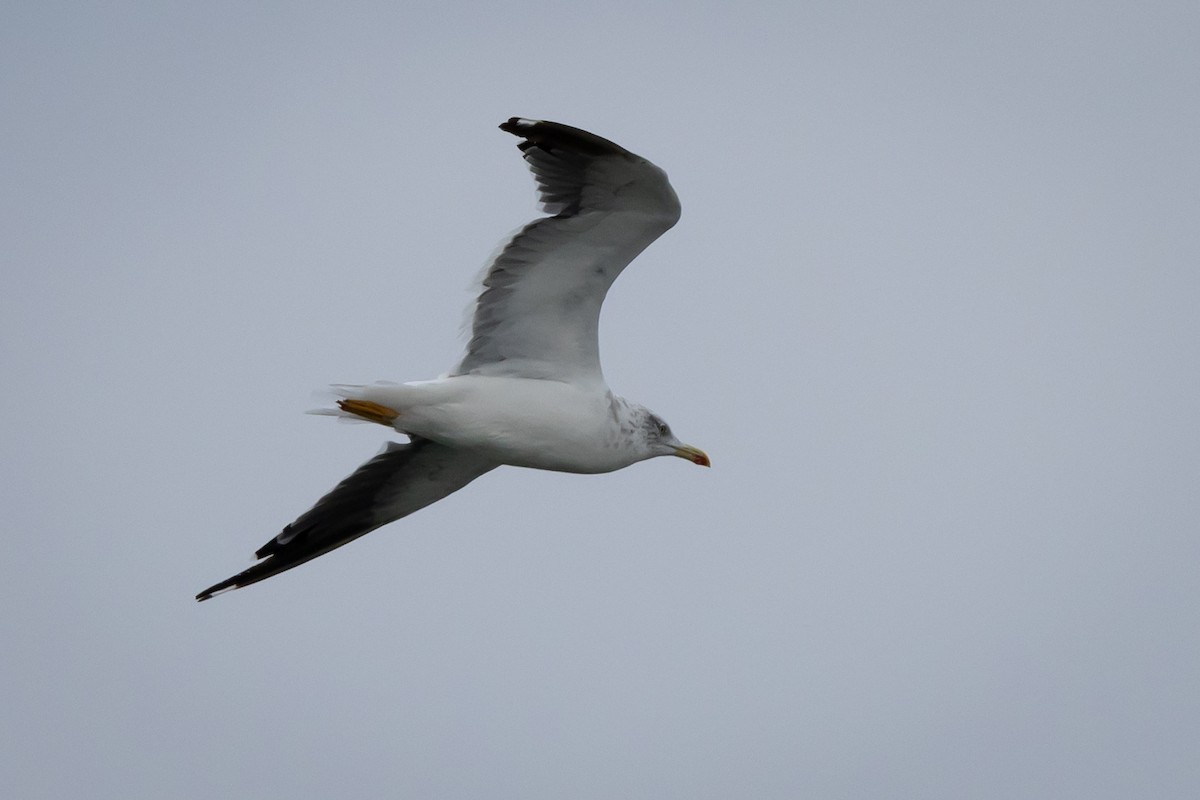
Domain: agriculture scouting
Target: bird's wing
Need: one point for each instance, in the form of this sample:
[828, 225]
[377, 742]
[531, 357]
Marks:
[402, 479]
[538, 311]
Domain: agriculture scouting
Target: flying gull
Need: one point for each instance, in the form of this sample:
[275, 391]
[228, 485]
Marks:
[529, 392]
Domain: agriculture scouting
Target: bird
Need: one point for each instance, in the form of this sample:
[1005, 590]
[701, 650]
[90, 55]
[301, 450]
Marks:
[529, 390]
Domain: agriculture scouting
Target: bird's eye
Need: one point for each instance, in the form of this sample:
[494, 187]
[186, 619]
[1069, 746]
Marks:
[663, 430]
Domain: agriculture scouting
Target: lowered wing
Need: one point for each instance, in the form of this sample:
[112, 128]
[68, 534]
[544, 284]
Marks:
[402, 479]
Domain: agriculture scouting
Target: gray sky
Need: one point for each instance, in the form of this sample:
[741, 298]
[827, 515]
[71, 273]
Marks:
[932, 309]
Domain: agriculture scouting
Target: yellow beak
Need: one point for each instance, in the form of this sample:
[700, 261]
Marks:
[693, 454]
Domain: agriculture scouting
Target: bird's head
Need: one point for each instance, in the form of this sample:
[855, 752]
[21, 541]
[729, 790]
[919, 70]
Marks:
[654, 434]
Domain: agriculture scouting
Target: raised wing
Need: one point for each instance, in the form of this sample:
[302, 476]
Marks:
[538, 313]
[402, 479]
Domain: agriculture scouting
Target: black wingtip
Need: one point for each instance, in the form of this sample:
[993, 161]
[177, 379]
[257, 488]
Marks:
[216, 589]
[259, 572]
[514, 125]
[253, 575]
[546, 134]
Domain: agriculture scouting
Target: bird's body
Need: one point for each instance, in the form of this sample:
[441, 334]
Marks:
[521, 422]
[529, 392]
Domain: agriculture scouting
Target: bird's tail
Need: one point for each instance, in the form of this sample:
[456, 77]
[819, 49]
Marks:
[352, 403]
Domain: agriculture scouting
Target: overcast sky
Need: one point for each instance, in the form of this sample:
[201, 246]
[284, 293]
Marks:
[933, 309]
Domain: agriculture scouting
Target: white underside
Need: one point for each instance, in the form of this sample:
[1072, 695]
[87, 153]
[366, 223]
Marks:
[524, 422]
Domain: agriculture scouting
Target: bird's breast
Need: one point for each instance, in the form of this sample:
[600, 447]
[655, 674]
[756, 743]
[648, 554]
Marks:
[523, 422]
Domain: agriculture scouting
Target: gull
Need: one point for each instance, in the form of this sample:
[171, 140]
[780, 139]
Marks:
[529, 392]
